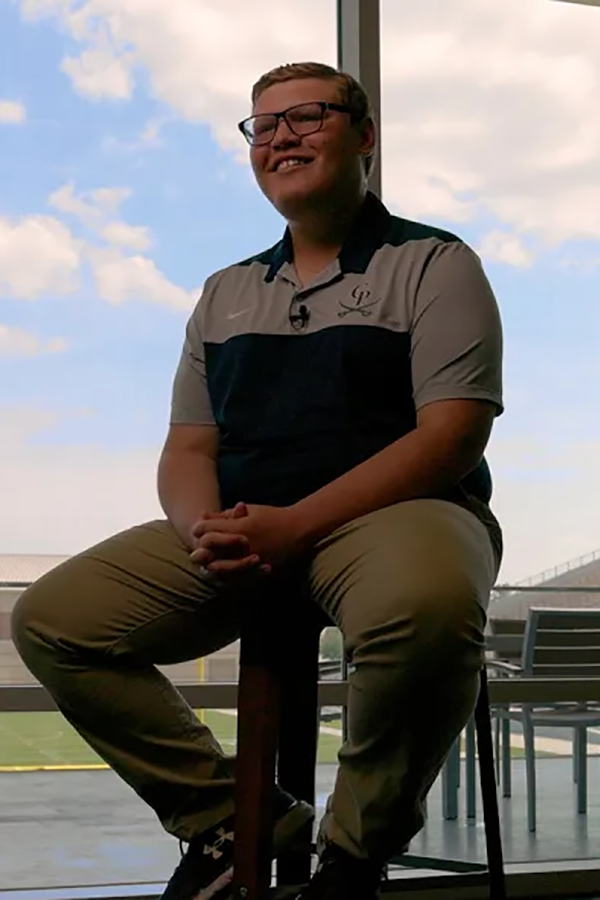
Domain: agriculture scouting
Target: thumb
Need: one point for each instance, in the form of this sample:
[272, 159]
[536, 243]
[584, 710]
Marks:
[238, 512]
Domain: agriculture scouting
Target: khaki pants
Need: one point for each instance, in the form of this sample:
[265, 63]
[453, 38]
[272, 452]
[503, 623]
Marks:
[407, 585]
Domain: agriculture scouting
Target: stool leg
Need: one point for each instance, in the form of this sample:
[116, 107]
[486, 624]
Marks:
[450, 779]
[258, 713]
[470, 778]
[298, 738]
[489, 796]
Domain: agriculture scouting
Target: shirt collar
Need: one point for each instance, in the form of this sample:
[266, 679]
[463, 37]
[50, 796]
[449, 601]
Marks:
[364, 238]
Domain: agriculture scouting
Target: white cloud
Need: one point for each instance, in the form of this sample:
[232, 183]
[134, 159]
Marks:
[92, 207]
[98, 73]
[151, 132]
[148, 137]
[48, 489]
[501, 246]
[38, 256]
[120, 278]
[18, 342]
[495, 105]
[585, 263]
[489, 105]
[543, 500]
[12, 112]
[187, 48]
[137, 237]
[109, 199]
[65, 201]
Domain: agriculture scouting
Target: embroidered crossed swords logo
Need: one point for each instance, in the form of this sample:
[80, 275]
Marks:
[362, 304]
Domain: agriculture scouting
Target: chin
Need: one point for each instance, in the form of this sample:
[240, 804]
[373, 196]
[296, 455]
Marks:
[291, 200]
[289, 203]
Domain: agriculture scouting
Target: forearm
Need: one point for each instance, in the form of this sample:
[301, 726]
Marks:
[420, 464]
[187, 487]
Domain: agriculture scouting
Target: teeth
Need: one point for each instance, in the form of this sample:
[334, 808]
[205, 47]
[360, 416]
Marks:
[290, 162]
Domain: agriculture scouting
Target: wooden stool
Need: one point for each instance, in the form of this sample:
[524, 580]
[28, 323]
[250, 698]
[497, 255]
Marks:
[277, 741]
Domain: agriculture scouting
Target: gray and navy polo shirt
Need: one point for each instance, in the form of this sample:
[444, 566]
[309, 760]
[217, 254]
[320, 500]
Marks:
[307, 381]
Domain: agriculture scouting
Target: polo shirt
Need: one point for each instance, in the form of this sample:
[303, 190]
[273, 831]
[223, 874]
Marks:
[307, 381]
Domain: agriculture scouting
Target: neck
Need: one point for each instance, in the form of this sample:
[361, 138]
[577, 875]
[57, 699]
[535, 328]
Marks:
[321, 231]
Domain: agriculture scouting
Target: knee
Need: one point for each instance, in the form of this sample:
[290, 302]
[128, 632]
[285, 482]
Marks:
[450, 608]
[32, 629]
[436, 621]
[450, 625]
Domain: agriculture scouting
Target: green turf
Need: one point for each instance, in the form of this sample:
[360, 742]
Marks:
[47, 739]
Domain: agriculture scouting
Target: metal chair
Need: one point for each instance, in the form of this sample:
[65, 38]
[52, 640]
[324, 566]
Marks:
[504, 643]
[277, 741]
[558, 643]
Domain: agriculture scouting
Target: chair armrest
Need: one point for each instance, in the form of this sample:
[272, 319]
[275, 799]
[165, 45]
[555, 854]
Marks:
[503, 667]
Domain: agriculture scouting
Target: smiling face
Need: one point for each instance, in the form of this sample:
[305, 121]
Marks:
[297, 172]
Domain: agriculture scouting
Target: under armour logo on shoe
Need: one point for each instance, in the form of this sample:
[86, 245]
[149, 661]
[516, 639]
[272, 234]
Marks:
[215, 850]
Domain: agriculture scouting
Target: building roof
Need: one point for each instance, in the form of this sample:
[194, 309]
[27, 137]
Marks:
[545, 590]
[22, 569]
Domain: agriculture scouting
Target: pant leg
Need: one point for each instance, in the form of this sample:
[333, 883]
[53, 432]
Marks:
[92, 632]
[407, 586]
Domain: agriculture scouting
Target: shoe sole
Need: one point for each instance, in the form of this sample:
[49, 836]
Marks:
[285, 834]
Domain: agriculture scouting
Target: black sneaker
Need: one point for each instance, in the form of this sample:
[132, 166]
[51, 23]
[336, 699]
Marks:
[206, 868]
[340, 876]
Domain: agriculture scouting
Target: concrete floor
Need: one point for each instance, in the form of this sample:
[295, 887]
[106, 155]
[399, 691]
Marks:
[88, 828]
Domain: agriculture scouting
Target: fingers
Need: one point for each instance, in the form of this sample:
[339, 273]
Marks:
[218, 546]
[220, 543]
[222, 567]
[233, 569]
[221, 555]
[238, 512]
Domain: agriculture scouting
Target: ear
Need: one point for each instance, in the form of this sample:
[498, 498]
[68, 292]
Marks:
[368, 134]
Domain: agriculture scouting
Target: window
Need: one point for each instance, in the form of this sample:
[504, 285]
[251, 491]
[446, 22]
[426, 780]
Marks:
[489, 131]
[125, 184]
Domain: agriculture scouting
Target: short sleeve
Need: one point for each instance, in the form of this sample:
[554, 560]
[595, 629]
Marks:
[456, 334]
[190, 400]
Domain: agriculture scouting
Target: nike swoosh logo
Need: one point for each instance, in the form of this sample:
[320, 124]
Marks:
[240, 312]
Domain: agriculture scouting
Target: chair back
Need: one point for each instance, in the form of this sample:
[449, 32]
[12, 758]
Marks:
[562, 643]
[506, 639]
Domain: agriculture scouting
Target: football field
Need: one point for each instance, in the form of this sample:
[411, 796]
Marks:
[45, 740]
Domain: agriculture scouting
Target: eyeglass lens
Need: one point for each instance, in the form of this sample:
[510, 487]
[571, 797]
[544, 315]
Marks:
[303, 119]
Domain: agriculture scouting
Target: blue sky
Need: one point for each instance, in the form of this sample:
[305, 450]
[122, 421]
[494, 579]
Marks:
[201, 206]
[155, 118]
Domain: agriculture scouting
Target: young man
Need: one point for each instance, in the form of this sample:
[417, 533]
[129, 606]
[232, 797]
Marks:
[330, 413]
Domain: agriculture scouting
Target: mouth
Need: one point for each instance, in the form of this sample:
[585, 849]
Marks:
[291, 163]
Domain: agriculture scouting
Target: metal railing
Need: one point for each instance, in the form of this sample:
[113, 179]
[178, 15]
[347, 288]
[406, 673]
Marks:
[223, 695]
[560, 569]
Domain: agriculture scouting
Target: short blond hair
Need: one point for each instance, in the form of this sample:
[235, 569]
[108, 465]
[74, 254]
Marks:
[352, 93]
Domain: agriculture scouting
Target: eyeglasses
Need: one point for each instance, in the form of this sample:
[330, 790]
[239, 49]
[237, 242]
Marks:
[304, 118]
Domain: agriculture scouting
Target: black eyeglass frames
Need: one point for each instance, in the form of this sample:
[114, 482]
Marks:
[301, 119]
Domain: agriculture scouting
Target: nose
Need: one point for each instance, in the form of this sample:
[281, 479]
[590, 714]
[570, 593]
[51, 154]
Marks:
[284, 136]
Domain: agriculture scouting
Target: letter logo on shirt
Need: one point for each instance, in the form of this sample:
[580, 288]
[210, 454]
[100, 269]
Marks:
[362, 304]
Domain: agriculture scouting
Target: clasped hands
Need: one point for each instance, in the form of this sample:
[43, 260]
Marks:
[246, 539]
